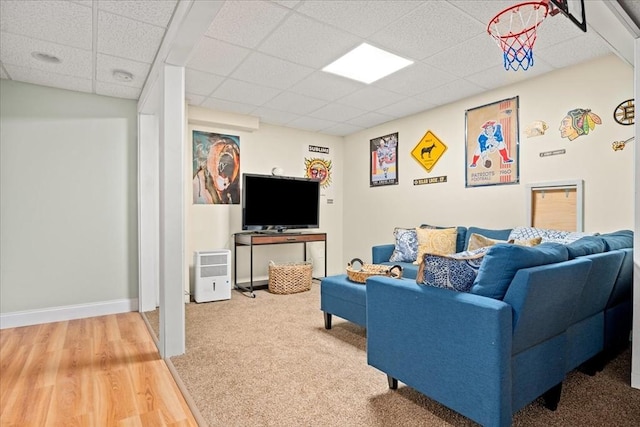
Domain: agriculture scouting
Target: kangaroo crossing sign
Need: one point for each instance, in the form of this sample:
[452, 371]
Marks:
[429, 150]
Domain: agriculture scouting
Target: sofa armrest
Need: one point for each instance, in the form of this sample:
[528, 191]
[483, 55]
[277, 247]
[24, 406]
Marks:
[381, 253]
[453, 347]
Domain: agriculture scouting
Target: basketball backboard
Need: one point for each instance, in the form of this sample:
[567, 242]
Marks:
[572, 9]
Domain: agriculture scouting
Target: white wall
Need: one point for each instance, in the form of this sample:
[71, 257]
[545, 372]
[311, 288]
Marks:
[372, 213]
[68, 198]
[211, 227]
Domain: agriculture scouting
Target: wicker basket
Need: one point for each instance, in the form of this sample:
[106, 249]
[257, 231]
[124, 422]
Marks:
[364, 271]
[289, 278]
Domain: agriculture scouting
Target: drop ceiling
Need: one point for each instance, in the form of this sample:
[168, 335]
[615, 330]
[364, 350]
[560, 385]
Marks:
[264, 58]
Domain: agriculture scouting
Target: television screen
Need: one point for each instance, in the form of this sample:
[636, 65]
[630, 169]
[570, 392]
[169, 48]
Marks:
[279, 203]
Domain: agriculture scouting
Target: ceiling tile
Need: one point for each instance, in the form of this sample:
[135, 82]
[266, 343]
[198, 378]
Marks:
[414, 79]
[244, 92]
[307, 42]
[217, 57]
[362, 18]
[481, 51]
[369, 120]
[573, 51]
[159, 14]
[269, 71]
[126, 38]
[117, 91]
[295, 103]
[66, 23]
[46, 78]
[483, 11]
[311, 123]
[497, 76]
[106, 65]
[201, 83]
[337, 112]
[370, 98]
[258, 20]
[230, 106]
[406, 107]
[193, 99]
[418, 35]
[274, 117]
[451, 92]
[326, 86]
[16, 50]
[342, 129]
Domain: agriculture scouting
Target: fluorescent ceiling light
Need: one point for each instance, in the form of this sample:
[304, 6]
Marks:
[367, 64]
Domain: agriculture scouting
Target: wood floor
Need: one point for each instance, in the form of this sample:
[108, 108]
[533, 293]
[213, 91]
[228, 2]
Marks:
[100, 371]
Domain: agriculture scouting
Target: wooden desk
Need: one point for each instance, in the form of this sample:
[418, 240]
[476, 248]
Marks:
[252, 239]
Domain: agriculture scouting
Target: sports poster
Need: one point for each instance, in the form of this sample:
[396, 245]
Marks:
[383, 160]
[492, 144]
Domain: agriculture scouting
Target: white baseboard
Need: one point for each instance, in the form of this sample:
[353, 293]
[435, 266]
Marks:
[58, 314]
[635, 380]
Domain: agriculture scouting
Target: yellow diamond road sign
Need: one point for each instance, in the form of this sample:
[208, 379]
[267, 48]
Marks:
[429, 150]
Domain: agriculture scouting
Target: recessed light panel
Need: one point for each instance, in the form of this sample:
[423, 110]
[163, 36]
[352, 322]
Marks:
[367, 64]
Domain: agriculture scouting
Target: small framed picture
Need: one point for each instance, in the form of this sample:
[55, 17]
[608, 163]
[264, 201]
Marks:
[383, 160]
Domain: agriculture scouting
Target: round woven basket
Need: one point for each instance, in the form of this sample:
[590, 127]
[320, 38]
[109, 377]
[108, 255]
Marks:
[359, 272]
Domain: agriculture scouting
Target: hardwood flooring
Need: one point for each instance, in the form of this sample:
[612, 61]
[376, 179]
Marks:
[99, 371]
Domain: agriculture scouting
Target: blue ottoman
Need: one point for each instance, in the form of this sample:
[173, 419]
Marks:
[344, 298]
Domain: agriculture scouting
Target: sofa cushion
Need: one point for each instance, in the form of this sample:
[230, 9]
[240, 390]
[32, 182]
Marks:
[456, 272]
[406, 245]
[587, 245]
[461, 242]
[486, 232]
[435, 241]
[503, 260]
[477, 241]
[620, 239]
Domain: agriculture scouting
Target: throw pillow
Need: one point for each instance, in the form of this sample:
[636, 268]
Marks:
[462, 235]
[547, 235]
[502, 234]
[526, 242]
[502, 261]
[456, 272]
[435, 241]
[587, 245]
[620, 239]
[477, 241]
[406, 248]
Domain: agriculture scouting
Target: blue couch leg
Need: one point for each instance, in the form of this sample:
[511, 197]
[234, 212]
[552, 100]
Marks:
[552, 397]
[327, 320]
[393, 383]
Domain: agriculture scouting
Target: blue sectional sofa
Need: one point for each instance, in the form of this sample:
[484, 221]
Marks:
[532, 315]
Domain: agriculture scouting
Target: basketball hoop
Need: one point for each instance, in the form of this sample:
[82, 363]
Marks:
[514, 30]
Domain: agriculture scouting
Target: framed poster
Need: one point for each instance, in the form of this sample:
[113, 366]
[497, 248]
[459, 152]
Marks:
[491, 155]
[383, 160]
[216, 169]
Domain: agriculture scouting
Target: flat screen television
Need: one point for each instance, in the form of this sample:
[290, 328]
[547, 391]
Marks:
[279, 203]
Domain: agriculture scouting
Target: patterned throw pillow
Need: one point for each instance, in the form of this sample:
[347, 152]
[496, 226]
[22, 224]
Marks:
[406, 249]
[477, 241]
[456, 271]
[547, 235]
[438, 241]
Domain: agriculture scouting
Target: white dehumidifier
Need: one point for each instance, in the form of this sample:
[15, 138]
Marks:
[213, 275]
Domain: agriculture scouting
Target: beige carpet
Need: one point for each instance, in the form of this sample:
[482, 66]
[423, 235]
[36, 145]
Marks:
[269, 361]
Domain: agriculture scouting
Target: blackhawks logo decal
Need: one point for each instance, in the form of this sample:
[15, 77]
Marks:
[318, 169]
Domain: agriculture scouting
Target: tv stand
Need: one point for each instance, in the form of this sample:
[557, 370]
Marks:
[261, 238]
